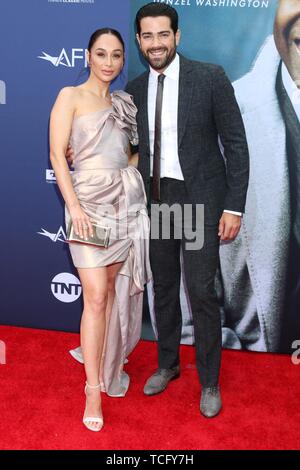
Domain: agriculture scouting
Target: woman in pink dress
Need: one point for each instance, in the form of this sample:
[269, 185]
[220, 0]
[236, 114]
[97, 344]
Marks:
[103, 189]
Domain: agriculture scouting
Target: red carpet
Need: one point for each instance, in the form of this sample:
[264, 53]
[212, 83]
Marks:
[42, 400]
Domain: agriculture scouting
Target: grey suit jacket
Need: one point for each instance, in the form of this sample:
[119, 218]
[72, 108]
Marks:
[207, 109]
[253, 267]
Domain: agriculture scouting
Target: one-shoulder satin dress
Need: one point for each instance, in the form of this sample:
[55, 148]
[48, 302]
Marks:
[112, 194]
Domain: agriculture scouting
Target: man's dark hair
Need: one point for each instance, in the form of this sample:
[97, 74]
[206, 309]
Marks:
[157, 9]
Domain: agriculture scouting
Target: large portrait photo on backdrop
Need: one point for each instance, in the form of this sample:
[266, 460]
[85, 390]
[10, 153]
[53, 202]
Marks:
[258, 280]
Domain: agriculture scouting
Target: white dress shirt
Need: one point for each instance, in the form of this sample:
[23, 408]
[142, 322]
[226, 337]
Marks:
[169, 159]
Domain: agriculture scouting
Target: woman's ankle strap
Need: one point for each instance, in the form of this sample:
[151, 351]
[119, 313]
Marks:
[93, 386]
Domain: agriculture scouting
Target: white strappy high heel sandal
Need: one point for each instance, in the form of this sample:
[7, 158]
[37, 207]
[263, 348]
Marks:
[92, 419]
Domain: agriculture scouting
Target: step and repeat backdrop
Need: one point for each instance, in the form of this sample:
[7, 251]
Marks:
[258, 43]
[43, 46]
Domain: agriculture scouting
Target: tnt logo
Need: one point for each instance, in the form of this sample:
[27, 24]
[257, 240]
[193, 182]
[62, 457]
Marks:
[2, 352]
[2, 92]
[66, 287]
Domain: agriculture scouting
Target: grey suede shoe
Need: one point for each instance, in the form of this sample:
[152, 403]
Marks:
[158, 382]
[210, 404]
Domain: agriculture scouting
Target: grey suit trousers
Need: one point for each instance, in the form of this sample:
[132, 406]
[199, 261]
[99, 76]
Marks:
[200, 268]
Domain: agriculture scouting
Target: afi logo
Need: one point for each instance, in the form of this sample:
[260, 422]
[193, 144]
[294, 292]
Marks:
[59, 236]
[64, 59]
[66, 287]
[2, 92]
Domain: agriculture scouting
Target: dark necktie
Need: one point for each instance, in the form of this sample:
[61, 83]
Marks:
[157, 139]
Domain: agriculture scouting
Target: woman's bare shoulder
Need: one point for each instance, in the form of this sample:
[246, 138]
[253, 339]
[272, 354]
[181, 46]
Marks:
[68, 93]
[68, 98]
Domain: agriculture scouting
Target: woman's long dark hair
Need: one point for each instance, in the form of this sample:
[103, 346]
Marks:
[99, 32]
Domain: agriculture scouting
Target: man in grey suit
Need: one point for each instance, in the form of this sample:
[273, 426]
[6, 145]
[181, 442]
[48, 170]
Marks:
[184, 107]
[261, 268]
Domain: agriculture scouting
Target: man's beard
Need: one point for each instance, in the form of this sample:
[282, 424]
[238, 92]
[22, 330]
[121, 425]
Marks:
[161, 62]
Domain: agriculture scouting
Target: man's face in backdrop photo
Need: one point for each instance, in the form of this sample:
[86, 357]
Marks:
[287, 36]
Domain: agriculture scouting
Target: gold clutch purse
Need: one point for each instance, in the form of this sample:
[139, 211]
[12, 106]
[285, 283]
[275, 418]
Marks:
[100, 238]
